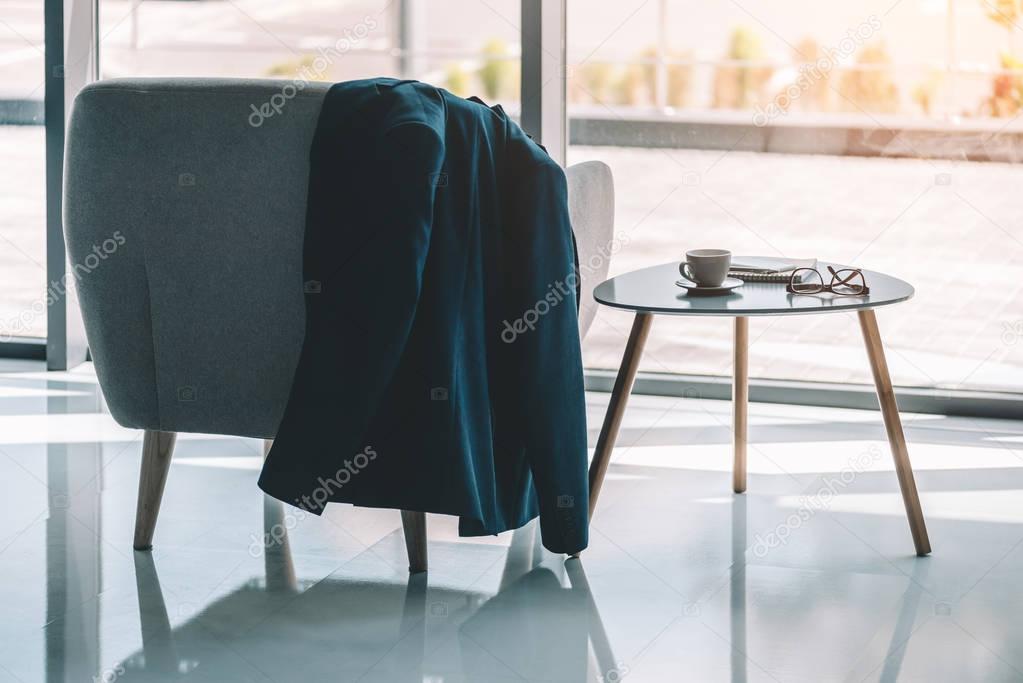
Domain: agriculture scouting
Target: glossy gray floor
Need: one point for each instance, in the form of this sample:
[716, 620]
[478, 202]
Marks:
[808, 577]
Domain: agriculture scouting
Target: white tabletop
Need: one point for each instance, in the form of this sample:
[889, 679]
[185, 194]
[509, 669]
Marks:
[653, 290]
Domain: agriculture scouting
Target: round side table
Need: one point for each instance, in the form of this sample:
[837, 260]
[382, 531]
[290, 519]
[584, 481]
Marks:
[652, 291]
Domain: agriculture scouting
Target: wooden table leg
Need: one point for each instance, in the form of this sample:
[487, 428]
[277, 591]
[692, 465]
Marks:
[616, 407]
[893, 425]
[740, 402]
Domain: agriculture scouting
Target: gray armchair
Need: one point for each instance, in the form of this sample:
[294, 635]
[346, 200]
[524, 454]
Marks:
[184, 224]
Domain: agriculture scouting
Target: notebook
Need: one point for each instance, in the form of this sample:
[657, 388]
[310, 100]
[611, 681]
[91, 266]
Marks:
[768, 268]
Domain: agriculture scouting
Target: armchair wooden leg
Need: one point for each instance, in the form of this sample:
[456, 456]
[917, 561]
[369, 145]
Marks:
[414, 524]
[156, 457]
[893, 425]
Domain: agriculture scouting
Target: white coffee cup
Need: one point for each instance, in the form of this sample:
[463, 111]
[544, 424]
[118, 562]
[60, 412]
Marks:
[706, 267]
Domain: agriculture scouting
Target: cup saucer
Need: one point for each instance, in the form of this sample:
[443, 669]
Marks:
[691, 287]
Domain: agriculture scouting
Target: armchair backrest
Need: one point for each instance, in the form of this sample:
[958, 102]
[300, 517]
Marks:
[184, 213]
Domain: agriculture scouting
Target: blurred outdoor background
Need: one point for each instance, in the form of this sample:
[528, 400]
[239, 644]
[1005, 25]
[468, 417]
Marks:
[885, 135]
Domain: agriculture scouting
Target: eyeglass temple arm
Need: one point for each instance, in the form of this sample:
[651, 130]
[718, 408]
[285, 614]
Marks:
[852, 273]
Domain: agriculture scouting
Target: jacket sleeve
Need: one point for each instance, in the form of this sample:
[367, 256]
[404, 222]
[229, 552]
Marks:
[372, 214]
[544, 335]
[377, 276]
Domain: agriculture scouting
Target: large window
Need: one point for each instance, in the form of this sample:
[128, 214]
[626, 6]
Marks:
[22, 173]
[878, 134]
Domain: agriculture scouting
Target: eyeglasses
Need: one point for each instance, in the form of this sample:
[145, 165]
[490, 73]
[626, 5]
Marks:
[844, 282]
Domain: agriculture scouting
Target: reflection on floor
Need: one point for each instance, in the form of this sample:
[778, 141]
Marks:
[808, 577]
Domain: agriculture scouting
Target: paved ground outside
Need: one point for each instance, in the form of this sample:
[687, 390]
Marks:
[952, 229]
[22, 232]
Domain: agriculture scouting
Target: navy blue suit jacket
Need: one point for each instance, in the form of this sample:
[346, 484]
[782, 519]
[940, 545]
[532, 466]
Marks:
[441, 368]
